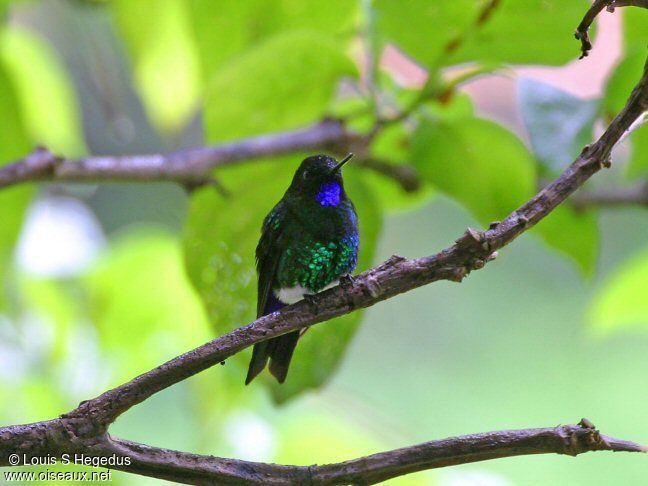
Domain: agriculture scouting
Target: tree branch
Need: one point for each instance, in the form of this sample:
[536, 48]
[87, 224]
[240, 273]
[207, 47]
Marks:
[85, 428]
[189, 468]
[188, 166]
[193, 167]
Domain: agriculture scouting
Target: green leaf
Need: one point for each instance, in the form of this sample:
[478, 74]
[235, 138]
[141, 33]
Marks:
[526, 32]
[284, 83]
[220, 240]
[488, 170]
[142, 304]
[635, 26]
[165, 60]
[559, 124]
[621, 301]
[423, 29]
[573, 233]
[622, 81]
[45, 90]
[227, 28]
[221, 236]
[638, 164]
[222, 29]
[14, 143]
[477, 162]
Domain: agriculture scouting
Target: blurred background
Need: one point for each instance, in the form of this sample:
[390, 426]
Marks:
[103, 281]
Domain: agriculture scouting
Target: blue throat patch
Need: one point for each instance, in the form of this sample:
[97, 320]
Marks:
[329, 194]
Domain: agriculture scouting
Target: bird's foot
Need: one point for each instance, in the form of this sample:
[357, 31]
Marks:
[347, 281]
[311, 300]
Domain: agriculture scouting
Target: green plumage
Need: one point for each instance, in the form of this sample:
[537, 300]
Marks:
[315, 264]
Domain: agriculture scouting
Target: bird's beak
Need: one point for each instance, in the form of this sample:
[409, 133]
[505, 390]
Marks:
[342, 162]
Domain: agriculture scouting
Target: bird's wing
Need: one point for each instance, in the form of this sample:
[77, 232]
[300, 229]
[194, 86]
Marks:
[268, 254]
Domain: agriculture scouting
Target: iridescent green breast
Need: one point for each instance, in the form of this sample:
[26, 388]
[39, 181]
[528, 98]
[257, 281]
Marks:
[315, 264]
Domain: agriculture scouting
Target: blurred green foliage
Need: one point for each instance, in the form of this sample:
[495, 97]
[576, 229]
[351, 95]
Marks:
[206, 72]
[425, 29]
[301, 69]
[44, 90]
[165, 63]
[141, 302]
[477, 162]
[14, 143]
[622, 299]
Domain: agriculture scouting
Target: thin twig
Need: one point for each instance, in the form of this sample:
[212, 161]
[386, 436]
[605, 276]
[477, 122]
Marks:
[593, 12]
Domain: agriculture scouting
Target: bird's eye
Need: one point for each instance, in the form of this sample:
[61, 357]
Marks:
[306, 174]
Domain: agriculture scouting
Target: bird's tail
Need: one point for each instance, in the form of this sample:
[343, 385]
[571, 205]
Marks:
[279, 350]
[259, 360]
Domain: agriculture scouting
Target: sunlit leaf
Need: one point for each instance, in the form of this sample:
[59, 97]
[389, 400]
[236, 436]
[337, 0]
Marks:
[45, 91]
[14, 143]
[142, 304]
[525, 32]
[558, 123]
[635, 26]
[621, 301]
[423, 29]
[284, 83]
[165, 59]
[477, 162]
[227, 28]
[222, 29]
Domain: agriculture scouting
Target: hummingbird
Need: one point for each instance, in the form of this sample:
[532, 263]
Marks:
[309, 240]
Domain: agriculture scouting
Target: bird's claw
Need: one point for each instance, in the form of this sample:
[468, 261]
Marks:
[347, 281]
[311, 300]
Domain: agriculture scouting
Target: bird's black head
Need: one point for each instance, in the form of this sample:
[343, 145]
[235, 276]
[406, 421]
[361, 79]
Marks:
[319, 178]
